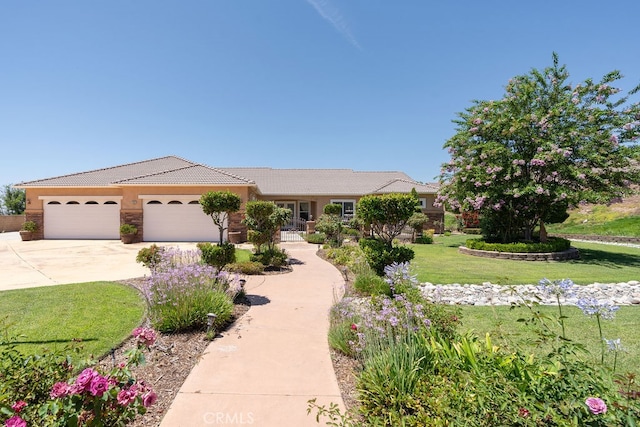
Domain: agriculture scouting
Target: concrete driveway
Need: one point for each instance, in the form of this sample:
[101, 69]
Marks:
[55, 262]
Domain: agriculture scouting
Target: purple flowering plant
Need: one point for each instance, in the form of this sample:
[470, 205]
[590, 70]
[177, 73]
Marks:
[181, 290]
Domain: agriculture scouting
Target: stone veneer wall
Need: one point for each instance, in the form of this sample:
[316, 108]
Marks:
[235, 224]
[133, 218]
[38, 218]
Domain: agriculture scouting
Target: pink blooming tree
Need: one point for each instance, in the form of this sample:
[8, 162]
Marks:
[546, 145]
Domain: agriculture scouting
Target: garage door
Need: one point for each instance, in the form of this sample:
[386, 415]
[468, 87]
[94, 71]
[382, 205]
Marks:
[177, 221]
[81, 219]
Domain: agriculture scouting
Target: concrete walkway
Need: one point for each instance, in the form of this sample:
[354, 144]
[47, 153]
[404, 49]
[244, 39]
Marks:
[274, 359]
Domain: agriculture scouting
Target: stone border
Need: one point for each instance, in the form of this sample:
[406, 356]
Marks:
[571, 253]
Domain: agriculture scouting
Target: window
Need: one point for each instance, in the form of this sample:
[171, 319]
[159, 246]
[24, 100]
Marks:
[154, 202]
[423, 202]
[110, 202]
[194, 202]
[175, 202]
[304, 210]
[53, 203]
[348, 207]
[73, 202]
[91, 202]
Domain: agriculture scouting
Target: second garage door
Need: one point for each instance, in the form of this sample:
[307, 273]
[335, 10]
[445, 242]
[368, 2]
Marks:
[177, 220]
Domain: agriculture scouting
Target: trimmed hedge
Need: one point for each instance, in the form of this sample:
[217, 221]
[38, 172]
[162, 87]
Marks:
[553, 244]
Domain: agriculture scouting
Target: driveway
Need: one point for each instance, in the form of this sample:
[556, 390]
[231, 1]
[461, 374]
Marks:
[56, 262]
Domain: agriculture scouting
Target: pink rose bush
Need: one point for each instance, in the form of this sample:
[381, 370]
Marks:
[596, 405]
[92, 398]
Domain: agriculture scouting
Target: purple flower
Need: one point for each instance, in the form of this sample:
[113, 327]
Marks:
[594, 307]
[15, 421]
[83, 382]
[145, 336]
[59, 389]
[596, 405]
[614, 345]
[556, 288]
[127, 396]
[149, 398]
[98, 386]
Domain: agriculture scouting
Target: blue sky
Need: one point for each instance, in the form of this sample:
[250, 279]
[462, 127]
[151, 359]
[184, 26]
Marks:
[362, 84]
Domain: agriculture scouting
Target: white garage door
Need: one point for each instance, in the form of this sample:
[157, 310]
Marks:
[177, 221]
[81, 219]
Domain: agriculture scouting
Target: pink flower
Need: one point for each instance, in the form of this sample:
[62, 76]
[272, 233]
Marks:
[473, 129]
[524, 412]
[149, 398]
[99, 385]
[127, 396]
[59, 390]
[19, 406]
[354, 327]
[596, 405]
[15, 421]
[477, 121]
[145, 336]
[83, 382]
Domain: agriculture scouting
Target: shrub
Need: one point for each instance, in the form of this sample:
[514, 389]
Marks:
[379, 254]
[217, 255]
[271, 257]
[342, 335]
[30, 226]
[424, 240]
[181, 291]
[371, 284]
[316, 238]
[331, 226]
[37, 389]
[150, 256]
[554, 244]
[250, 268]
[128, 229]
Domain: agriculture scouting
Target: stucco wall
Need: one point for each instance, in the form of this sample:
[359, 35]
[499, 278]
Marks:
[11, 223]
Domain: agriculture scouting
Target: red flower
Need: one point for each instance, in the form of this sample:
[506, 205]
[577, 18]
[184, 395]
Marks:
[354, 327]
[18, 406]
[524, 412]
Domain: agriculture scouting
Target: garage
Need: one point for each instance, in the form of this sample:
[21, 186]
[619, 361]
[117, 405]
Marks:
[177, 219]
[82, 218]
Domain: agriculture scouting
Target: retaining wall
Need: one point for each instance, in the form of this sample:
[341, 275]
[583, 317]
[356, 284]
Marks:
[11, 223]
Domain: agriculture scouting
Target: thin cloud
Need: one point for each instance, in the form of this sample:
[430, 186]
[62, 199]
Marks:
[333, 16]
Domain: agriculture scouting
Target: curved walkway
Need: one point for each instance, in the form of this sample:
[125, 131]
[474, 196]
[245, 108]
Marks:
[264, 369]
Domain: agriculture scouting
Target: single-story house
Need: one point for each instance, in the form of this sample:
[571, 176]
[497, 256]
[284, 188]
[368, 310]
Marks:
[160, 197]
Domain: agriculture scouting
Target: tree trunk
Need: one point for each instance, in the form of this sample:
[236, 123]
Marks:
[543, 232]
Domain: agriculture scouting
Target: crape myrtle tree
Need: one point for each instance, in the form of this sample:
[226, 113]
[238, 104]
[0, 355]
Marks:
[219, 205]
[545, 146]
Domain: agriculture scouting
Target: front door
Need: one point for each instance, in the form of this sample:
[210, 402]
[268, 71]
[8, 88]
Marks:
[288, 205]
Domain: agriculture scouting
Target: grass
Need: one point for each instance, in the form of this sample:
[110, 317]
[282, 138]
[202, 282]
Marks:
[243, 255]
[442, 263]
[501, 322]
[628, 227]
[101, 314]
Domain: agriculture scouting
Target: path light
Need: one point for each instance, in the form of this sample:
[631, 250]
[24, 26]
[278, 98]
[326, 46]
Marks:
[242, 283]
[211, 317]
[345, 273]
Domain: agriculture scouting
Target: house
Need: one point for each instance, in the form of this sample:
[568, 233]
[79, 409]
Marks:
[160, 197]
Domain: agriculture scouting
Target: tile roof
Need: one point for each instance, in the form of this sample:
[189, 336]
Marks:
[334, 182]
[170, 170]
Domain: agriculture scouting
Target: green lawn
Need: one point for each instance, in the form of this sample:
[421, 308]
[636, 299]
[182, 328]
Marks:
[101, 314]
[628, 226]
[442, 263]
[243, 255]
[501, 323]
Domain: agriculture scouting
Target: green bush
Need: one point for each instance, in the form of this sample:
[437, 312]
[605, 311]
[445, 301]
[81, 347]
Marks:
[378, 254]
[424, 240]
[271, 257]
[316, 238]
[554, 244]
[150, 256]
[30, 226]
[30, 377]
[217, 255]
[341, 335]
[128, 229]
[371, 284]
[250, 268]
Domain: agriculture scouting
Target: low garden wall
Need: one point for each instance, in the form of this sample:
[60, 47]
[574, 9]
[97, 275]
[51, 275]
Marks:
[11, 223]
[571, 253]
[610, 239]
